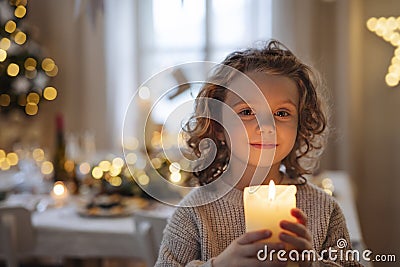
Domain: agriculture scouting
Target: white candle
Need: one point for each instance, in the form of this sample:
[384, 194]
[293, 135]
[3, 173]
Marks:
[59, 193]
[265, 206]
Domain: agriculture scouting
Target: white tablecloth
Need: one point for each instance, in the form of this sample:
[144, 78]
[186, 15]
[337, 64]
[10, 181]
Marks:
[62, 232]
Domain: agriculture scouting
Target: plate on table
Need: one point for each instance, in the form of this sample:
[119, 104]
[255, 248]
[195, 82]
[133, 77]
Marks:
[110, 206]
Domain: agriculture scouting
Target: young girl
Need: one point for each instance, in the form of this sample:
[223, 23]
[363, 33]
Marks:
[214, 234]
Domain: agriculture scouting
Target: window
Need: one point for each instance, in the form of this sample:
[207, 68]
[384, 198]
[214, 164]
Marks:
[170, 32]
[178, 31]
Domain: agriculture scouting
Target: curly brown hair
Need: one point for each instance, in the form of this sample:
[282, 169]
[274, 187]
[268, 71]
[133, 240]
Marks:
[272, 58]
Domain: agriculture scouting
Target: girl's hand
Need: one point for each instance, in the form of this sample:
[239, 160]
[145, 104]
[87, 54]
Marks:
[301, 238]
[243, 251]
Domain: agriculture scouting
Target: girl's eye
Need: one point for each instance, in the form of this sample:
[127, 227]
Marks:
[246, 112]
[282, 113]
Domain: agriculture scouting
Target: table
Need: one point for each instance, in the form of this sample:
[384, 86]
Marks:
[62, 232]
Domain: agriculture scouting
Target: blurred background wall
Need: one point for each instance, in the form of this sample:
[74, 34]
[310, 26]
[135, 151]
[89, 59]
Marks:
[366, 139]
[331, 35]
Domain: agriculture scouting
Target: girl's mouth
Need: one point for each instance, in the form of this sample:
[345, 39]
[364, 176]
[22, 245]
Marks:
[264, 146]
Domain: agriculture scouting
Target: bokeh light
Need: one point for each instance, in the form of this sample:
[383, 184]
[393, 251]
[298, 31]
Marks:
[387, 29]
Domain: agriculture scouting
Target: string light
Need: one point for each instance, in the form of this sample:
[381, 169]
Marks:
[31, 109]
[144, 93]
[105, 165]
[10, 26]
[131, 158]
[84, 168]
[4, 165]
[115, 181]
[131, 143]
[3, 55]
[8, 160]
[69, 166]
[114, 171]
[118, 163]
[143, 179]
[47, 168]
[20, 11]
[50, 93]
[12, 158]
[20, 38]
[4, 100]
[19, 2]
[97, 173]
[30, 64]
[38, 154]
[386, 28]
[175, 177]
[48, 64]
[22, 88]
[174, 167]
[5, 43]
[53, 72]
[33, 98]
[12, 69]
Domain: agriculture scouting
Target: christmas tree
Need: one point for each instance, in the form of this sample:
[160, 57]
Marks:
[25, 74]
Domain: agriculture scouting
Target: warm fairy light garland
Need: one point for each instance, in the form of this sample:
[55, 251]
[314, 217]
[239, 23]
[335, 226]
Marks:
[388, 28]
[24, 74]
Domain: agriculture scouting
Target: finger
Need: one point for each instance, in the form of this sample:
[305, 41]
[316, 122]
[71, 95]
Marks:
[297, 242]
[299, 215]
[259, 248]
[252, 250]
[251, 237]
[275, 246]
[296, 228]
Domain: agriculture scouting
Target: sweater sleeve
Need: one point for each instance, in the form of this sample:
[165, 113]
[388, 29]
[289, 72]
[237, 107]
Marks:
[338, 242]
[180, 245]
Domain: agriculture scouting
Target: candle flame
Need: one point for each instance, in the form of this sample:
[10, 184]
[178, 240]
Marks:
[271, 191]
[59, 188]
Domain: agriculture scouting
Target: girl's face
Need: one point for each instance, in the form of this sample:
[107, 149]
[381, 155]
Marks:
[263, 136]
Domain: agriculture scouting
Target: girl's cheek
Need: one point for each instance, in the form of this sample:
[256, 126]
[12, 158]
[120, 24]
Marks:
[287, 125]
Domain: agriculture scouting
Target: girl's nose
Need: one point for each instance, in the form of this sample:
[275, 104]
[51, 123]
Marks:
[266, 128]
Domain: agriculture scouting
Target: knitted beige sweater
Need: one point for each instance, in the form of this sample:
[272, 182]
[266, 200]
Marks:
[194, 235]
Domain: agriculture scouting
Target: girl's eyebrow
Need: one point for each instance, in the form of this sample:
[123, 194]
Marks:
[284, 102]
[239, 102]
[289, 101]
